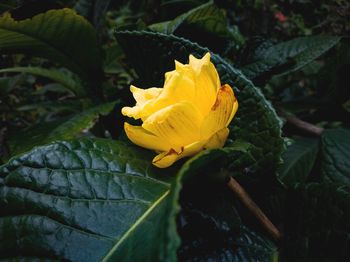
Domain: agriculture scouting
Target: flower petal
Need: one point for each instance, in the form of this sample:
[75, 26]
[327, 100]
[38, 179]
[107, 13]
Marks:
[168, 158]
[179, 124]
[221, 112]
[207, 82]
[179, 84]
[143, 138]
[143, 95]
[143, 98]
[218, 139]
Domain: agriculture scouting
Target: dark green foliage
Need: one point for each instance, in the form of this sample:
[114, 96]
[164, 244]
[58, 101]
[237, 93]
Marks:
[57, 130]
[87, 200]
[299, 158]
[316, 223]
[336, 155]
[85, 196]
[53, 35]
[289, 56]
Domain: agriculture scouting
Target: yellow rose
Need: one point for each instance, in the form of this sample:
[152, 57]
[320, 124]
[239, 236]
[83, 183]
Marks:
[190, 113]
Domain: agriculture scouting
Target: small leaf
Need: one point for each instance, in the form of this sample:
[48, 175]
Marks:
[336, 155]
[298, 160]
[57, 130]
[87, 200]
[289, 56]
[72, 83]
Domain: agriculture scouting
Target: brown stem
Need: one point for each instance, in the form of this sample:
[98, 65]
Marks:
[310, 128]
[253, 207]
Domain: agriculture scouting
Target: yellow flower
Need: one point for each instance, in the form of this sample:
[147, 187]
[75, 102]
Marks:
[190, 113]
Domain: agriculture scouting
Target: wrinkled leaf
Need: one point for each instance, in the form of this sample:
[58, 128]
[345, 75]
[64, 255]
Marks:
[87, 200]
[289, 56]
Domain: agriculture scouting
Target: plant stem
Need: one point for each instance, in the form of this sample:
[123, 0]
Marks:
[253, 207]
[297, 122]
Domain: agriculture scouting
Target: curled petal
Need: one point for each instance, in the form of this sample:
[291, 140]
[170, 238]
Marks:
[143, 95]
[221, 113]
[177, 124]
[144, 98]
[168, 158]
[144, 138]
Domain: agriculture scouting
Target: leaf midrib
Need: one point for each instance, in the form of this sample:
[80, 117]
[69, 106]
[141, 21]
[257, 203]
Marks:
[135, 225]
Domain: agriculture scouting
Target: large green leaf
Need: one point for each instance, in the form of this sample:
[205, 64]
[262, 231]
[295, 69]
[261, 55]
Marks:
[56, 35]
[289, 56]
[67, 80]
[58, 130]
[336, 155]
[298, 160]
[87, 200]
[255, 122]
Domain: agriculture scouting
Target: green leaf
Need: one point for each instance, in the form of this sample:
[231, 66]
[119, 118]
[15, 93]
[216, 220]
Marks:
[207, 16]
[56, 35]
[298, 160]
[87, 200]
[58, 130]
[289, 56]
[206, 24]
[72, 83]
[335, 155]
[111, 63]
[255, 122]
[93, 10]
